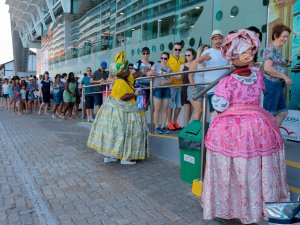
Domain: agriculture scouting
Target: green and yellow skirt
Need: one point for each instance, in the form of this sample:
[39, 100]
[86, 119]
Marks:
[119, 130]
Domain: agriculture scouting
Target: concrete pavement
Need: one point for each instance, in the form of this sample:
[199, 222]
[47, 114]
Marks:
[49, 176]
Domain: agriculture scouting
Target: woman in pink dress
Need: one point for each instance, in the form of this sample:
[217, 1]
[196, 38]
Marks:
[245, 162]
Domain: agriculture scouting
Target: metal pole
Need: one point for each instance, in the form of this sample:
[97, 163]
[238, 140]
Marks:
[203, 151]
[151, 105]
[106, 90]
[83, 103]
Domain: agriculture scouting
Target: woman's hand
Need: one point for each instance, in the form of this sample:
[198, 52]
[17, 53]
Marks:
[287, 80]
[162, 83]
[138, 92]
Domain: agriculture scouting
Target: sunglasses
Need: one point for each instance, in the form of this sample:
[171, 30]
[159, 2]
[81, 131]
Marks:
[177, 49]
[187, 55]
[164, 58]
[146, 53]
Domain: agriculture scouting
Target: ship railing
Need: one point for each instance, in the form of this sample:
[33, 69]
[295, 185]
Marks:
[202, 94]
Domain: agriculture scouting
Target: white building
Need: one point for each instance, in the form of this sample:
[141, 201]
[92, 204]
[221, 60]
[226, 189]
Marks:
[7, 69]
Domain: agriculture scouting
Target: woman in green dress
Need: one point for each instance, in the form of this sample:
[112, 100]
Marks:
[120, 130]
[69, 95]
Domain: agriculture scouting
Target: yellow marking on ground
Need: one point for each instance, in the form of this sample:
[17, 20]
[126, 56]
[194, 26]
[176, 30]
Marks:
[292, 163]
[163, 136]
[294, 189]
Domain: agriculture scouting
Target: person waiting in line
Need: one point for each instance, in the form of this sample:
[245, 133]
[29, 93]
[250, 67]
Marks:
[99, 77]
[5, 92]
[23, 102]
[174, 62]
[45, 93]
[1, 97]
[24, 96]
[197, 78]
[276, 73]
[212, 57]
[89, 98]
[78, 96]
[161, 96]
[11, 84]
[120, 130]
[190, 55]
[69, 96]
[58, 87]
[32, 100]
[16, 95]
[144, 65]
[245, 162]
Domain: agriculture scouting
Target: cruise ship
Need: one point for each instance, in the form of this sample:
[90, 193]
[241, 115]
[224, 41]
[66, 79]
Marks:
[70, 35]
[73, 34]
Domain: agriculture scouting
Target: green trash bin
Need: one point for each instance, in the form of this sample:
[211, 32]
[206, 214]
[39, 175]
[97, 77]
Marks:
[190, 151]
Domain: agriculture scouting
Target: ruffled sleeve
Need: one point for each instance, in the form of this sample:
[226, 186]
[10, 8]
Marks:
[222, 96]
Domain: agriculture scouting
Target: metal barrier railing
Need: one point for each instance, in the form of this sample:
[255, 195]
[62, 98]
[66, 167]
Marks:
[151, 78]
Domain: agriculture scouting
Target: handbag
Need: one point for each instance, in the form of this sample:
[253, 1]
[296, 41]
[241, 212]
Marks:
[283, 212]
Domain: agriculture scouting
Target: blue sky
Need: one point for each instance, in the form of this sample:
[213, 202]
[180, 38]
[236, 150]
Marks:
[6, 53]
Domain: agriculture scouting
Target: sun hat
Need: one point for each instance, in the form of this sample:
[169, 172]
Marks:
[216, 33]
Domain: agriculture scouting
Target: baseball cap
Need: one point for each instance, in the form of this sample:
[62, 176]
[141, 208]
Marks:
[46, 72]
[216, 33]
[103, 64]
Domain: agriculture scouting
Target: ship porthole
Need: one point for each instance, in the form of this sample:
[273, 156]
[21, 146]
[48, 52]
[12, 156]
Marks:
[265, 2]
[234, 11]
[192, 42]
[219, 15]
[162, 47]
[264, 28]
[132, 52]
[170, 45]
[153, 48]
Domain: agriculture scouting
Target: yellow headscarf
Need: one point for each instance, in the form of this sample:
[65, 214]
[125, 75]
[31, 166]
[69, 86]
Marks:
[120, 65]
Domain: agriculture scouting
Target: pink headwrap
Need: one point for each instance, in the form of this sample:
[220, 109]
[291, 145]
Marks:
[239, 42]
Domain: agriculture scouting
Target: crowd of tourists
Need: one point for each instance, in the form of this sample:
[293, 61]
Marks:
[245, 164]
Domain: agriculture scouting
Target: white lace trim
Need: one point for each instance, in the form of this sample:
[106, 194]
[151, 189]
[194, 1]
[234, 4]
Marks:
[248, 80]
[219, 103]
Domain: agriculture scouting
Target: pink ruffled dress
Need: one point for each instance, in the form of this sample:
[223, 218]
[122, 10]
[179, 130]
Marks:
[245, 162]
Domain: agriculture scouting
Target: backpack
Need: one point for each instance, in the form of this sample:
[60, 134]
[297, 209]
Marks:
[143, 82]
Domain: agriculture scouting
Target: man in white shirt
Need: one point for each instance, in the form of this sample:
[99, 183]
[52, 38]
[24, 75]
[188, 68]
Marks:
[212, 57]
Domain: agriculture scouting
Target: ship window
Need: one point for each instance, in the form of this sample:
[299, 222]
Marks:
[219, 15]
[132, 52]
[162, 47]
[170, 45]
[192, 42]
[138, 51]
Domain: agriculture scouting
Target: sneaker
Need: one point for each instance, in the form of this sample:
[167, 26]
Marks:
[109, 159]
[171, 127]
[124, 162]
[53, 116]
[177, 126]
[91, 120]
[165, 130]
[158, 130]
